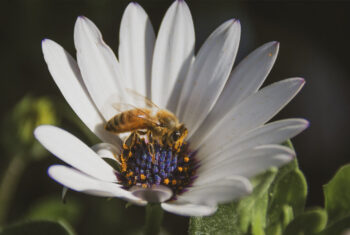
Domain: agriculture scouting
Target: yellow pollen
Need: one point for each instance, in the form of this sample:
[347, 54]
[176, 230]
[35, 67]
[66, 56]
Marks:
[130, 154]
[143, 177]
[166, 181]
[173, 182]
[124, 166]
[186, 159]
[270, 54]
[144, 185]
[130, 174]
[180, 168]
[124, 146]
[129, 182]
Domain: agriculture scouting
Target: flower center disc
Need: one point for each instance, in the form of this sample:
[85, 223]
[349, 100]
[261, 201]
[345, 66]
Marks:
[147, 164]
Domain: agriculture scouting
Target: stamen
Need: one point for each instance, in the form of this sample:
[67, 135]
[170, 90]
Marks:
[146, 166]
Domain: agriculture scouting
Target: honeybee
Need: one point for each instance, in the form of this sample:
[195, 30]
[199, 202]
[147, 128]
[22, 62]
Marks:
[159, 125]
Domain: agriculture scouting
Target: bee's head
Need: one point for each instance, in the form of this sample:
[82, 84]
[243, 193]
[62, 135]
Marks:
[177, 135]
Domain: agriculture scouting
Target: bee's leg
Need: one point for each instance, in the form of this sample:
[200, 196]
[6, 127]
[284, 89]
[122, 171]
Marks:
[150, 145]
[151, 150]
[130, 141]
[141, 132]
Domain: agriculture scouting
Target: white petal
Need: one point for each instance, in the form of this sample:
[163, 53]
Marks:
[67, 77]
[252, 112]
[221, 191]
[246, 164]
[272, 133]
[106, 150]
[80, 182]
[245, 79]
[136, 43]
[208, 74]
[173, 52]
[99, 67]
[156, 194]
[188, 209]
[74, 152]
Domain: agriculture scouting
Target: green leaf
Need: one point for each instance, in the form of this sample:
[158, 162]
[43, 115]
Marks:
[287, 196]
[337, 194]
[308, 223]
[289, 189]
[53, 209]
[19, 124]
[252, 209]
[37, 228]
[237, 218]
[278, 197]
[224, 221]
[338, 227]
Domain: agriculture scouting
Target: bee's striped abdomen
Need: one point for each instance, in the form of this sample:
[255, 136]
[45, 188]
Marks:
[127, 121]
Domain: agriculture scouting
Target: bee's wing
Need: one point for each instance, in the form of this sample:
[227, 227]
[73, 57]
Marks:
[142, 101]
[122, 107]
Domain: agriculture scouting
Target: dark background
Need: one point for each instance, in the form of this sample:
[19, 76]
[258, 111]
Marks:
[314, 39]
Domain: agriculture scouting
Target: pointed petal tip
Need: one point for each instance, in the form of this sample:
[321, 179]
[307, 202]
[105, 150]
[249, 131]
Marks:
[295, 80]
[233, 20]
[47, 41]
[276, 46]
[52, 168]
[307, 124]
[81, 19]
[38, 130]
[276, 43]
[234, 23]
[301, 81]
[132, 4]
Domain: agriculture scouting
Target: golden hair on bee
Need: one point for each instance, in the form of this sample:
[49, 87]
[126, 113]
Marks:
[158, 124]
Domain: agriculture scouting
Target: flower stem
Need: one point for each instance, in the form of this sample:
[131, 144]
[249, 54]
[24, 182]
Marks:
[8, 185]
[154, 217]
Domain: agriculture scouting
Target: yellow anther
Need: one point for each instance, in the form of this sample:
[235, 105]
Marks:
[166, 181]
[124, 166]
[125, 146]
[173, 182]
[130, 154]
[180, 168]
[129, 182]
[144, 185]
[186, 159]
[130, 174]
[122, 157]
[143, 177]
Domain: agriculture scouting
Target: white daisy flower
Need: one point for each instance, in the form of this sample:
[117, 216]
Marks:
[224, 111]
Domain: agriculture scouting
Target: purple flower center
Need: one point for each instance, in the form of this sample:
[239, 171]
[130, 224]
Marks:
[159, 165]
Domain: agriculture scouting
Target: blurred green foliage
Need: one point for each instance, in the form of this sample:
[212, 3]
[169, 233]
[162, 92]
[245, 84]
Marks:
[53, 209]
[19, 124]
[38, 228]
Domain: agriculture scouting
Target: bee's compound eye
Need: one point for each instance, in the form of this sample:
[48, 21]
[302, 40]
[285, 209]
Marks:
[175, 135]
